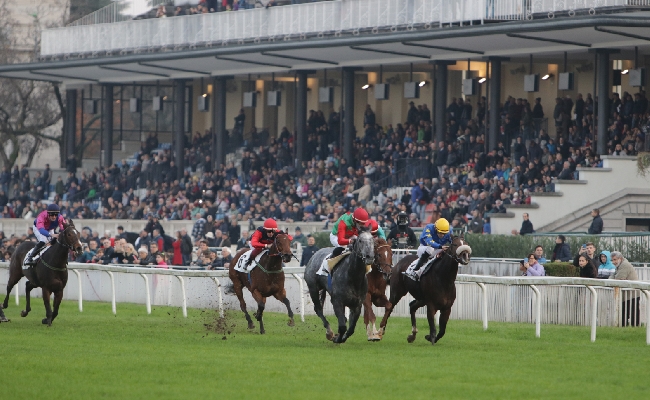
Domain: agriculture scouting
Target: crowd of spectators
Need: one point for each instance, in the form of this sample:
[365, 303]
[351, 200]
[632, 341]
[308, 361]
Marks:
[212, 6]
[458, 178]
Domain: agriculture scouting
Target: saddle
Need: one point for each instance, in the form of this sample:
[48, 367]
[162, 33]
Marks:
[416, 275]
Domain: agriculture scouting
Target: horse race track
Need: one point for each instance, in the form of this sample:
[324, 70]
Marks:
[132, 355]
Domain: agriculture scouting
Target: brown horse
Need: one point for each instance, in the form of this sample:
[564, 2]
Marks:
[436, 288]
[264, 281]
[377, 280]
[50, 272]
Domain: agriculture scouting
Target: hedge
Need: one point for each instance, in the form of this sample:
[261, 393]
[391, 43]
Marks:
[561, 269]
[511, 246]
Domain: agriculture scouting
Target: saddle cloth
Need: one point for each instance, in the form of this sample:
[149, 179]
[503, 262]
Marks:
[40, 253]
[415, 275]
[241, 263]
[328, 264]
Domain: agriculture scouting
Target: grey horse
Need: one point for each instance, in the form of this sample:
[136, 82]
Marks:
[349, 285]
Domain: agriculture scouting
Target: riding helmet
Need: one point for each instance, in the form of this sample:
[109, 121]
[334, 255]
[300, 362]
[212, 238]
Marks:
[442, 225]
[374, 227]
[270, 224]
[360, 215]
[53, 209]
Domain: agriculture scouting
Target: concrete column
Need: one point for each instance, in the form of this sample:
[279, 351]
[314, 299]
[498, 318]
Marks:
[440, 99]
[107, 131]
[71, 121]
[348, 115]
[602, 79]
[301, 118]
[219, 121]
[179, 126]
[494, 103]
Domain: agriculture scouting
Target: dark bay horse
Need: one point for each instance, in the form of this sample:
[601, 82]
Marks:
[436, 288]
[50, 272]
[349, 285]
[265, 281]
[377, 281]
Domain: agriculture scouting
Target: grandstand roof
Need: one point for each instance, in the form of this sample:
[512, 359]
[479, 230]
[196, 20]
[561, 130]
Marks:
[548, 38]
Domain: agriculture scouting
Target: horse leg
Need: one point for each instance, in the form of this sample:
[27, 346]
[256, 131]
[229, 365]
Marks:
[48, 309]
[28, 306]
[381, 301]
[261, 303]
[58, 296]
[431, 317]
[339, 310]
[413, 306]
[282, 296]
[354, 317]
[319, 300]
[395, 296]
[13, 280]
[237, 286]
[444, 317]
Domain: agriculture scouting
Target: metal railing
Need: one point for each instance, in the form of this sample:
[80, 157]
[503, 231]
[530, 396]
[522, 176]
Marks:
[570, 301]
[120, 10]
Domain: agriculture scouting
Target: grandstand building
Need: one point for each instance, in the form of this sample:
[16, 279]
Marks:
[178, 74]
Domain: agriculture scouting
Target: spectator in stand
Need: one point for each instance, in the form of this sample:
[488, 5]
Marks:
[177, 244]
[212, 241]
[562, 252]
[625, 271]
[143, 254]
[526, 226]
[160, 261]
[596, 227]
[243, 241]
[143, 240]
[199, 225]
[128, 256]
[587, 268]
[606, 268]
[299, 237]
[186, 247]
[222, 262]
[157, 238]
[539, 253]
[108, 252]
[90, 250]
[308, 251]
[154, 250]
[531, 267]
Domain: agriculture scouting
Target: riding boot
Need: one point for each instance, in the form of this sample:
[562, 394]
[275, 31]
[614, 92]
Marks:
[30, 259]
[422, 261]
[337, 252]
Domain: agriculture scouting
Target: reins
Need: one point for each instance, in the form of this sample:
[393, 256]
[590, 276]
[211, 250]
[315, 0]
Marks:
[275, 243]
[66, 245]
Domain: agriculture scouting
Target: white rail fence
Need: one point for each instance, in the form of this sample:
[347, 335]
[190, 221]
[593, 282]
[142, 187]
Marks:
[549, 300]
[297, 21]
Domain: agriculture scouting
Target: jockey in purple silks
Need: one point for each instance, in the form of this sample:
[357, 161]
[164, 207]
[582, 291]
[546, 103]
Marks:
[46, 228]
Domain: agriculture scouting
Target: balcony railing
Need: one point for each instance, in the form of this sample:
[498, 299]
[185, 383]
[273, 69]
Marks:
[301, 21]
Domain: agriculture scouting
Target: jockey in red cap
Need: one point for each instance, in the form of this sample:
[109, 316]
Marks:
[377, 230]
[263, 238]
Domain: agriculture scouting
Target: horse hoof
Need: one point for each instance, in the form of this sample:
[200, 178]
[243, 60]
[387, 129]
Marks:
[428, 338]
[4, 319]
[291, 323]
[410, 338]
[45, 322]
[262, 332]
[23, 313]
[329, 336]
[251, 325]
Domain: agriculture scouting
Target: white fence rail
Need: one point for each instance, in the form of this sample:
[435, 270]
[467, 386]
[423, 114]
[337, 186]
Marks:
[297, 21]
[570, 301]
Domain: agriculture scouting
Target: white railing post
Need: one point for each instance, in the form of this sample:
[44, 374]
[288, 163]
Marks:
[302, 297]
[180, 278]
[594, 312]
[617, 306]
[538, 310]
[146, 293]
[81, 306]
[114, 308]
[216, 280]
[647, 318]
[484, 306]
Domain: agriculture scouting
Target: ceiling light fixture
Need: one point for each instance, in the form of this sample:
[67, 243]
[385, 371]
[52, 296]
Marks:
[422, 83]
[547, 76]
[625, 71]
[366, 86]
[482, 80]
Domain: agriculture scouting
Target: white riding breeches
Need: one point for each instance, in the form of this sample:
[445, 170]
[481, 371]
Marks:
[40, 236]
[428, 249]
[335, 240]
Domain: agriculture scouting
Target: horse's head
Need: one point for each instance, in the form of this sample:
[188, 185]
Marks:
[283, 247]
[383, 257]
[364, 247]
[460, 250]
[69, 237]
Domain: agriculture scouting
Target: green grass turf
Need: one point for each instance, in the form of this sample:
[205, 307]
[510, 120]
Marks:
[94, 354]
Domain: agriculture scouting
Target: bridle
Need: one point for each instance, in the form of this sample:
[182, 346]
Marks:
[275, 244]
[354, 251]
[453, 255]
[62, 243]
[377, 261]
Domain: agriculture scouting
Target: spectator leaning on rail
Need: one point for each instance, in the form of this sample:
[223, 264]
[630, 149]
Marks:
[562, 252]
[625, 271]
[587, 269]
[589, 249]
[606, 267]
[531, 267]
[596, 227]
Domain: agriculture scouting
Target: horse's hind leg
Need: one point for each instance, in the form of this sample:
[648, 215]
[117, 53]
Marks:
[3, 318]
[28, 306]
[282, 296]
[237, 286]
[413, 307]
[381, 301]
[58, 296]
[318, 301]
[48, 309]
[431, 317]
[444, 317]
[13, 280]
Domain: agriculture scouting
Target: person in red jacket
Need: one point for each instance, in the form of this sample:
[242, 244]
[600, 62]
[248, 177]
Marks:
[263, 238]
